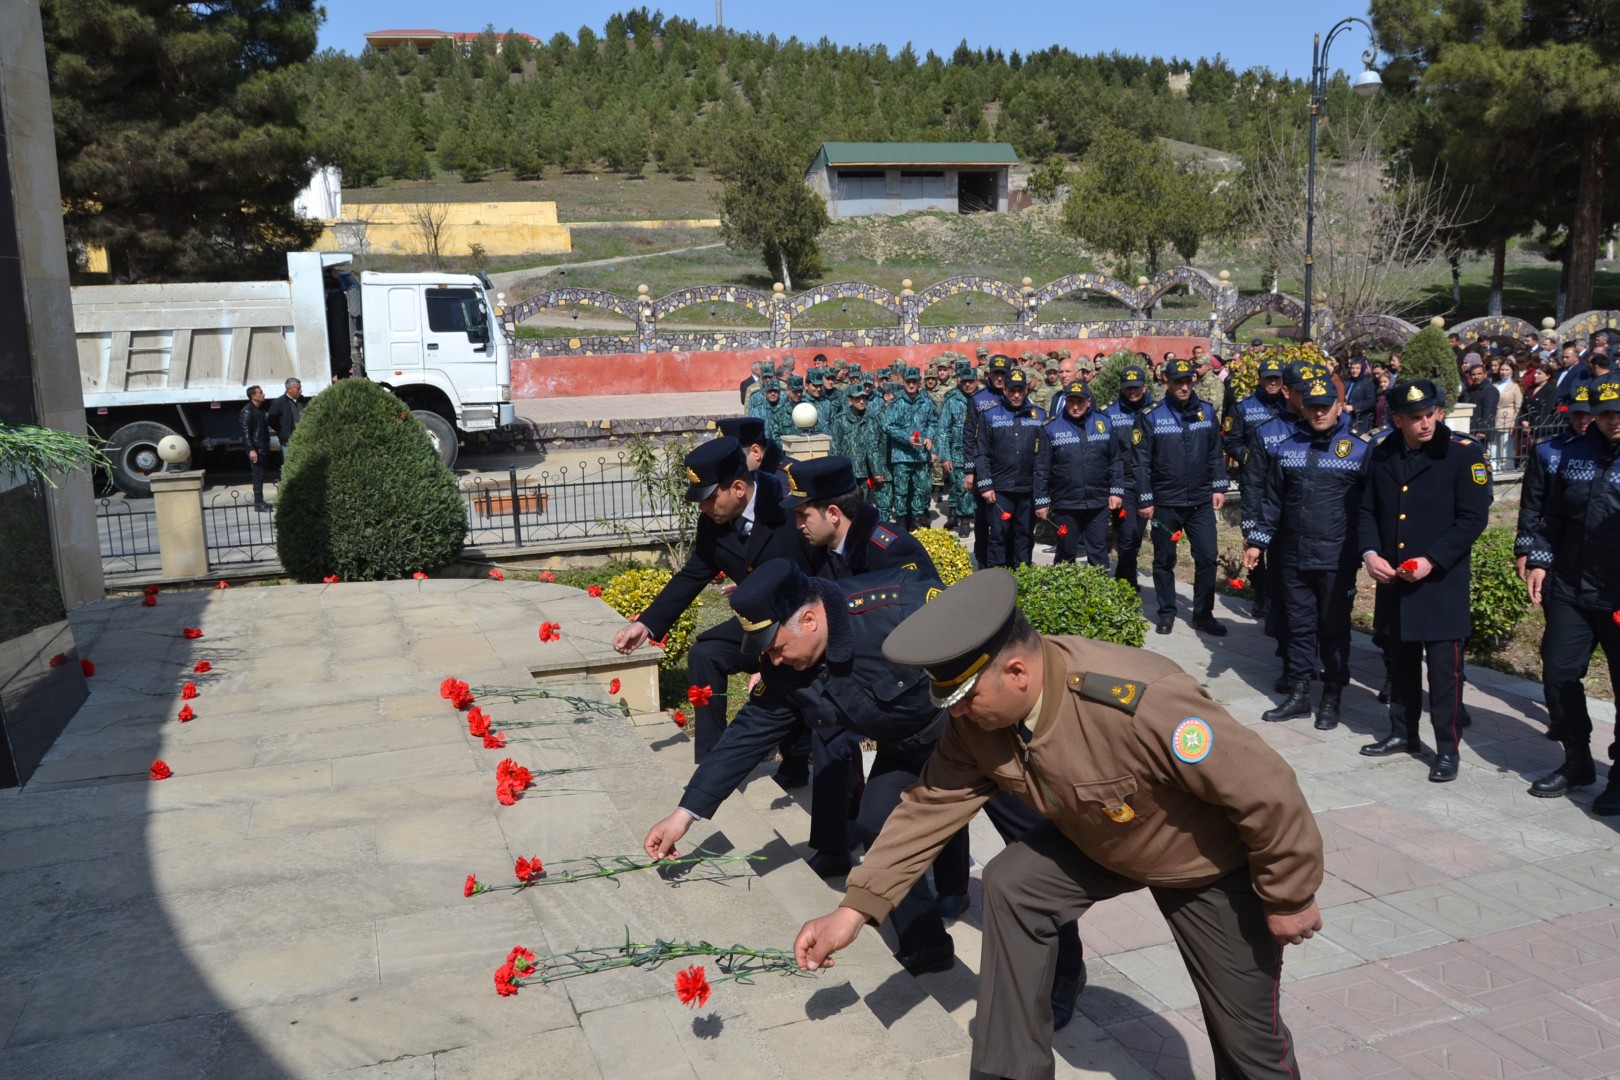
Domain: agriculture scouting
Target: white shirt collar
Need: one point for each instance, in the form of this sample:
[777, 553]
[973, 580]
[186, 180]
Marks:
[748, 511]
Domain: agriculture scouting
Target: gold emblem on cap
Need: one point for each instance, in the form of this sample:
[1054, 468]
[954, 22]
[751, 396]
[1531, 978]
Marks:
[1414, 394]
[754, 627]
[1582, 394]
[793, 485]
[1319, 388]
[693, 477]
[1609, 392]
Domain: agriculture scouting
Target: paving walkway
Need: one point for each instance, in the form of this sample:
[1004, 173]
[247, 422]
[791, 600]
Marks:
[289, 902]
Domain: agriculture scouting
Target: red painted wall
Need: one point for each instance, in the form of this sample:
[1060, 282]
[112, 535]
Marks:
[684, 373]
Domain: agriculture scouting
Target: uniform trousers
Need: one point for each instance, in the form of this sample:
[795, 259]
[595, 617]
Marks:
[916, 920]
[714, 656]
[1043, 881]
[1128, 542]
[1566, 653]
[1318, 604]
[1198, 522]
[1276, 623]
[981, 533]
[1012, 528]
[1445, 659]
[837, 777]
[1082, 531]
[957, 501]
[911, 488]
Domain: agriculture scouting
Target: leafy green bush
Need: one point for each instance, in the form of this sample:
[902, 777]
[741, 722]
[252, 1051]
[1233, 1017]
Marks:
[363, 494]
[1428, 356]
[1076, 598]
[634, 590]
[1105, 386]
[950, 559]
[1496, 595]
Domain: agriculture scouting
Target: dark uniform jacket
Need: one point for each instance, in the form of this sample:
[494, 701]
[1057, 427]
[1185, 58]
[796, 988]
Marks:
[872, 545]
[1122, 414]
[1539, 465]
[1431, 503]
[980, 402]
[1259, 443]
[1145, 773]
[1180, 454]
[1009, 443]
[1244, 420]
[1578, 540]
[1310, 507]
[255, 428]
[745, 386]
[1079, 465]
[853, 688]
[719, 548]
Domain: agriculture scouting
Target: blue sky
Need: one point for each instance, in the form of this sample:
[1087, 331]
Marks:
[1249, 33]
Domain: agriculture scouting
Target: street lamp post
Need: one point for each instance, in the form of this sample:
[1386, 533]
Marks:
[1367, 84]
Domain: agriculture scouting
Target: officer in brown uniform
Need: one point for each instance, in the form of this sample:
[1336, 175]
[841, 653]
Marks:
[1144, 781]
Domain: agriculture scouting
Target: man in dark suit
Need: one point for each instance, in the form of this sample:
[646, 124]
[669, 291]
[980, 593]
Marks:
[748, 384]
[1427, 499]
[743, 525]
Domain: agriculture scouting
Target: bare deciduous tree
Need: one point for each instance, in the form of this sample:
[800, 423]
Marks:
[1382, 234]
[427, 223]
[353, 233]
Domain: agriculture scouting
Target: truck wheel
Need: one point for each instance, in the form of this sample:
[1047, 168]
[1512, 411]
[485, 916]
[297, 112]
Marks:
[441, 435]
[134, 454]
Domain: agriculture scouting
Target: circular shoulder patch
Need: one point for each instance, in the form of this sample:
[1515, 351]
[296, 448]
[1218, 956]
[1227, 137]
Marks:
[1192, 740]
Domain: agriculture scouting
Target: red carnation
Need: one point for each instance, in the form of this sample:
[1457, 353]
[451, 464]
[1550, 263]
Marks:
[447, 687]
[528, 870]
[160, 770]
[916, 436]
[1006, 515]
[1409, 566]
[546, 575]
[1616, 618]
[149, 600]
[497, 575]
[594, 590]
[505, 793]
[87, 667]
[680, 719]
[186, 714]
[188, 691]
[151, 590]
[871, 483]
[1236, 583]
[613, 687]
[330, 579]
[692, 986]
[223, 584]
[202, 667]
[495, 740]
[521, 959]
[191, 633]
[59, 659]
[506, 980]
[1175, 537]
[1122, 515]
[419, 576]
[473, 886]
[1063, 530]
[550, 631]
[462, 698]
[477, 722]
[699, 695]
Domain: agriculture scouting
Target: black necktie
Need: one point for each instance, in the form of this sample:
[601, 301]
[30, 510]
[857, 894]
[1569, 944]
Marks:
[836, 561]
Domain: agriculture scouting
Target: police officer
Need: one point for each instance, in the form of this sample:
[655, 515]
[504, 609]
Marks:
[1308, 512]
[1241, 424]
[822, 643]
[951, 450]
[1540, 464]
[1574, 574]
[909, 421]
[1181, 464]
[742, 526]
[1144, 781]
[988, 397]
[1080, 477]
[1123, 414]
[1427, 499]
[1009, 442]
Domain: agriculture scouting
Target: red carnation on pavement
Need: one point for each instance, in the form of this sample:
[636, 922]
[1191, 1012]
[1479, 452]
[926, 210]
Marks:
[186, 714]
[692, 986]
[473, 886]
[594, 590]
[699, 695]
[1006, 515]
[510, 772]
[188, 691]
[1410, 566]
[506, 980]
[613, 687]
[477, 722]
[1063, 530]
[149, 600]
[521, 959]
[191, 633]
[202, 667]
[495, 740]
[497, 575]
[150, 590]
[528, 870]
[330, 579]
[223, 584]
[547, 575]
[87, 667]
[680, 719]
[419, 576]
[505, 793]
[59, 659]
[160, 770]
[550, 631]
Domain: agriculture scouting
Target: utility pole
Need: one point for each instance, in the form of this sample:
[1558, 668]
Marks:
[719, 20]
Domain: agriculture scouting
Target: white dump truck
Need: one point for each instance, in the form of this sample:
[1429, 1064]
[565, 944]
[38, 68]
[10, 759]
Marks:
[157, 360]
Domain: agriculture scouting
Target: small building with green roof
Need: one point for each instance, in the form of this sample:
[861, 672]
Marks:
[859, 178]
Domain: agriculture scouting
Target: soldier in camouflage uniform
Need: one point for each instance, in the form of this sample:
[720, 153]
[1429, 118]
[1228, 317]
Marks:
[951, 451]
[816, 394]
[856, 434]
[755, 405]
[883, 397]
[911, 423]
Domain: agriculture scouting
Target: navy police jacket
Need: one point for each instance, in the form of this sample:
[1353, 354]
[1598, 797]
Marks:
[1540, 465]
[1008, 444]
[1245, 418]
[1310, 506]
[1122, 414]
[1080, 464]
[1180, 458]
[1580, 519]
[981, 402]
[1259, 443]
[853, 688]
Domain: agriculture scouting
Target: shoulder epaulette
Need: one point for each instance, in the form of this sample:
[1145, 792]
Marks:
[1123, 694]
[1462, 440]
[870, 599]
[883, 537]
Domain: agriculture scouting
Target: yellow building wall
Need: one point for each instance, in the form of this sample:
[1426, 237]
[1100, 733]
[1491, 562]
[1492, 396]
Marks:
[513, 228]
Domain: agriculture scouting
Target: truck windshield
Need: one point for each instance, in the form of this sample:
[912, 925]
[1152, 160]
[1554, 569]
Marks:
[457, 310]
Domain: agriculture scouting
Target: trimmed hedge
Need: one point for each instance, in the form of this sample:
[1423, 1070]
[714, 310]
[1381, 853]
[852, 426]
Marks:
[1496, 595]
[1080, 599]
[1428, 356]
[633, 591]
[362, 494]
[950, 558]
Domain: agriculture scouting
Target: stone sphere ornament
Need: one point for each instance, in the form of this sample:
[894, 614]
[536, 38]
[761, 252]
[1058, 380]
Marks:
[175, 451]
[805, 416]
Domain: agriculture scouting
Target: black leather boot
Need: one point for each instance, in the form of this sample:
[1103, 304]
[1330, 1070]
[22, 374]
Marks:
[1576, 771]
[1327, 713]
[1297, 705]
[1608, 803]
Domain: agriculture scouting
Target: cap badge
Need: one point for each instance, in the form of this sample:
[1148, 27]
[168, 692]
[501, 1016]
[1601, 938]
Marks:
[793, 485]
[1609, 392]
[1192, 740]
[1342, 448]
[1582, 394]
[1414, 394]
[692, 477]
[753, 627]
[1319, 388]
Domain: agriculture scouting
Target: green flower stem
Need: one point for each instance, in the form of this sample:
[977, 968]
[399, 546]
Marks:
[581, 705]
[607, 866]
[736, 963]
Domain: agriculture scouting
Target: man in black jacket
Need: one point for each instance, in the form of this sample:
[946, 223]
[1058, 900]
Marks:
[285, 412]
[1080, 477]
[748, 383]
[823, 643]
[1427, 499]
[742, 526]
[256, 438]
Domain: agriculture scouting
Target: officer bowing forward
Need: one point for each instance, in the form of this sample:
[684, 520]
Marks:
[1079, 476]
[1305, 517]
[1427, 499]
[1143, 781]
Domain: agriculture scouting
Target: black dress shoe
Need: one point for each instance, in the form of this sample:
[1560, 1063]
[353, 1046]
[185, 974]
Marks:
[1392, 744]
[1065, 992]
[830, 864]
[1608, 803]
[923, 961]
[263, 508]
[1576, 771]
[1165, 625]
[1207, 624]
[1444, 769]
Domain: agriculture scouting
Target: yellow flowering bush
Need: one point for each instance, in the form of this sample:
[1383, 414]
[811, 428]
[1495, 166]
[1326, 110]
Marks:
[946, 550]
[633, 591]
[1245, 369]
